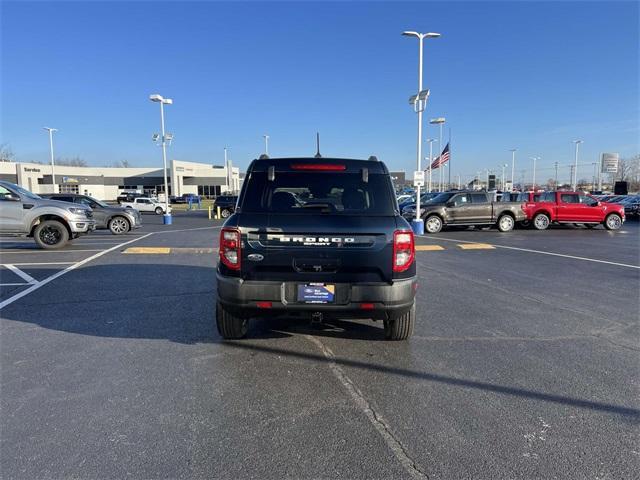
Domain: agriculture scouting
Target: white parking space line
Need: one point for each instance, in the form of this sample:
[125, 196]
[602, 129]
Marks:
[36, 286]
[25, 276]
[23, 264]
[528, 250]
[14, 284]
[12, 251]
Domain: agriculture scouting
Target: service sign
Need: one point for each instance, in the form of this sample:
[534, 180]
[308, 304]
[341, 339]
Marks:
[418, 178]
[610, 162]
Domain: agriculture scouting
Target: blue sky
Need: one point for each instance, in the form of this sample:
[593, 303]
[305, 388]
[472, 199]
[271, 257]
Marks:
[527, 75]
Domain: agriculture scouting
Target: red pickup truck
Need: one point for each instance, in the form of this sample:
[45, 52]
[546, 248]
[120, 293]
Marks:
[573, 207]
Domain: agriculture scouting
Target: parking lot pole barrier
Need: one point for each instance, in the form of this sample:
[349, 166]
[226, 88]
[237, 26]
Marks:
[209, 212]
[218, 214]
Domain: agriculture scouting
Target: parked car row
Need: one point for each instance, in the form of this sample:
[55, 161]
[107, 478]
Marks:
[538, 209]
[631, 203]
[53, 220]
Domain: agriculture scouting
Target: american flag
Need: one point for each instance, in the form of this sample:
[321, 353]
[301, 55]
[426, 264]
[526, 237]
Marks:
[442, 159]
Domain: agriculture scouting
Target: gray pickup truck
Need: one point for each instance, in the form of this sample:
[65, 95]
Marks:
[51, 223]
[468, 209]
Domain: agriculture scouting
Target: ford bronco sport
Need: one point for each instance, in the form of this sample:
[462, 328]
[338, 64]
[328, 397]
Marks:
[317, 238]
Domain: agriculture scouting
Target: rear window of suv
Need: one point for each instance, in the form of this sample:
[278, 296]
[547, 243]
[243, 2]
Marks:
[319, 193]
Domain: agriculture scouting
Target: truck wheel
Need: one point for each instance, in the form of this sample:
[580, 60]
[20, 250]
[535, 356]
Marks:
[541, 221]
[225, 213]
[51, 234]
[433, 224]
[119, 225]
[158, 211]
[230, 326]
[613, 221]
[506, 223]
[402, 327]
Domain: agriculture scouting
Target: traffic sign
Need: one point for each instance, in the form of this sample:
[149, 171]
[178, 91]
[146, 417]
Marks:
[610, 162]
[418, 178]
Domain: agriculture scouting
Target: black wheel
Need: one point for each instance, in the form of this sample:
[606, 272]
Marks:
[613, 221]
[506, 223]
[402, 327]
[51, 234]
[433, 224]
[541, 221]
[230, 326]
[525, 224]
[119, 225]
[158, 211]
[225, 213]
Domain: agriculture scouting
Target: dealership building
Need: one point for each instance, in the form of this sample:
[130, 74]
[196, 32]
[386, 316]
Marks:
[106, 183]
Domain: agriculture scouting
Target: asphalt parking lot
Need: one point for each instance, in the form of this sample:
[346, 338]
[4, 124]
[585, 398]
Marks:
[524, 363]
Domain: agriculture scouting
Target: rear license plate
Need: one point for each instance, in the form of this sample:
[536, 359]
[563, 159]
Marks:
[316, 293]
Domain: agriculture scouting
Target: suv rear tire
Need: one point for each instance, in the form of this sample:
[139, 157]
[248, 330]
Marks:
[51, 234]
[159, 211]
[402, 327]
[225, 213]
[432, 224]
[229, 326]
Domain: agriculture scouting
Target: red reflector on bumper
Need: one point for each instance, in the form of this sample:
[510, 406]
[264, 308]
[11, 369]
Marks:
[367, 306]
[264, 304]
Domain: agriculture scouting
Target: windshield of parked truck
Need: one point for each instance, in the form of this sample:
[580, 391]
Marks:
[23, 191]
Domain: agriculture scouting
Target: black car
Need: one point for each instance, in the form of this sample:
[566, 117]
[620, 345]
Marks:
[316, 238]
[129, 196]
[227, 204]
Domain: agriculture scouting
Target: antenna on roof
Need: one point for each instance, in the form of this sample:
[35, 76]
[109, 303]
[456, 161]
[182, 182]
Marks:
[318, 145]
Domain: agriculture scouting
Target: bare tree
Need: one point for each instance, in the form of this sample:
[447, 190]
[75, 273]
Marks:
[6, 154]
[71, 162]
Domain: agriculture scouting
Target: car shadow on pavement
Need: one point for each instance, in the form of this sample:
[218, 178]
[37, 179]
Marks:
[177, 303]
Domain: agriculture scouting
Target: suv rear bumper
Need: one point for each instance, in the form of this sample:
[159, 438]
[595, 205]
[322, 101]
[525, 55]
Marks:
[389, 300]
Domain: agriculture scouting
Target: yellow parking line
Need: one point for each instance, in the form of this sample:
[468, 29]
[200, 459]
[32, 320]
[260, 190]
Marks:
[428, 248]
[148, 250]
[476, 246]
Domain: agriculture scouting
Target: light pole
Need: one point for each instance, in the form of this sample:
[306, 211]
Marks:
[53, 171]
[556, 179]
[166, 218]
[419, 102]
[513, 166]
[430, 140]
[533, 181]
[504, 165]
[266, 144]
[574, 184]
[439, 121]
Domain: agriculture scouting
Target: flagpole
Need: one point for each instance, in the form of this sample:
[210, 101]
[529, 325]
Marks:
[449, 161]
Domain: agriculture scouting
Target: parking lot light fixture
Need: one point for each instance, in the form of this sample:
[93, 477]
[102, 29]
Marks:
[419, 101]
[164, 101]
[266, 144]
[53, 171]
[533, 181]
[574, 178]
[430, 140]
[513, 166]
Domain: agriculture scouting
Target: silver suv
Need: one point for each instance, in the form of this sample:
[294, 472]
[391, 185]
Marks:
[51, 223]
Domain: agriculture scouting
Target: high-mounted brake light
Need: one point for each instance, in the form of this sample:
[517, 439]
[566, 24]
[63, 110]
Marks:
[404, 250]
[230, 248]
[327, 167]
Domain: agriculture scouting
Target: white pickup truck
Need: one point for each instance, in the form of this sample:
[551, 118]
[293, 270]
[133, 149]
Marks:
[145, 204]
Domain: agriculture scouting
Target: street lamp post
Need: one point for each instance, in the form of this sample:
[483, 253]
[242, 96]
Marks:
[574, 183]
[420, 101]
[556, 179]
[439, 121]
[164, 101]
[533, 181]
[53, 171]
[266, 144]
[504, 165]
[513, 166]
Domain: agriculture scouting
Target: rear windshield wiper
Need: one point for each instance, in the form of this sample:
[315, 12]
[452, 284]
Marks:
[326, 208]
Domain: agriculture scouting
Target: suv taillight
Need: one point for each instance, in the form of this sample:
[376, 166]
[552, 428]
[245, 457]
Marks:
[404, 250]
[230, 248]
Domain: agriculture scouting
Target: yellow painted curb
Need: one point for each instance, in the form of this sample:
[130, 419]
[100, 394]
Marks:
[428, 248]
[476, 246]
[148, 250]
